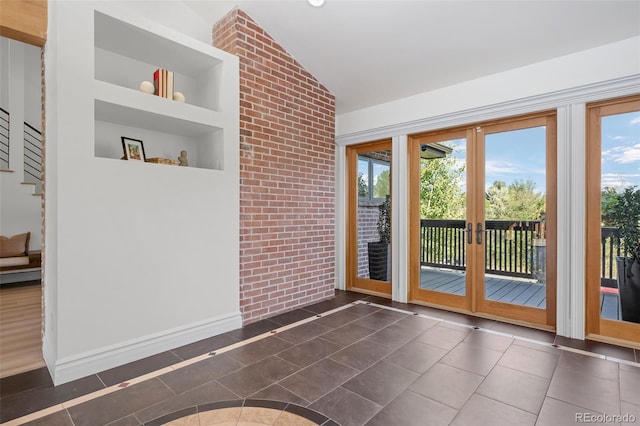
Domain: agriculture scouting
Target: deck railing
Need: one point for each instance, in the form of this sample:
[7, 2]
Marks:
[32, 154]
[32, 150]
[512, 248]
[609, 249]
[4, 139]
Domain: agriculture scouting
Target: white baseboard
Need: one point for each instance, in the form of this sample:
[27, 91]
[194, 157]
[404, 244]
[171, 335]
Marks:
[77, 366]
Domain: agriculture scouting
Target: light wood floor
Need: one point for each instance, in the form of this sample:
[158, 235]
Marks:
[20, 328]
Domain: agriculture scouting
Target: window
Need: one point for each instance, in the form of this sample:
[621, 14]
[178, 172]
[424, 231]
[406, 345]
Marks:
[374, 178]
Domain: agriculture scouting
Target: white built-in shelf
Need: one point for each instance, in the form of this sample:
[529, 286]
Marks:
[128, 51]
[133, 108]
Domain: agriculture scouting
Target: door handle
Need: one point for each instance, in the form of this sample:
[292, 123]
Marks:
[479, 232]
[469, 231]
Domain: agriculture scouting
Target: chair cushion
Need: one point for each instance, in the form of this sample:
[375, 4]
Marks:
[15, 246]
[14, 261]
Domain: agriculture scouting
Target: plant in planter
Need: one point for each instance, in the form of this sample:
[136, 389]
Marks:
[379, 252]
[623, 211]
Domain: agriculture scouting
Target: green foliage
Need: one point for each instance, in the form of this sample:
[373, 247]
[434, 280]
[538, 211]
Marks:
[382, 188]
[440, 193]
[363, 187]
[608, 200]
[497, 201]
[516, 201]
[623, 211]
[384, 221]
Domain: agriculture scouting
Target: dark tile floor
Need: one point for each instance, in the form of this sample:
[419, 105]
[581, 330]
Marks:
[361, 365]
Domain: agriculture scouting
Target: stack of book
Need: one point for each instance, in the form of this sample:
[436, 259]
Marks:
[163, 83]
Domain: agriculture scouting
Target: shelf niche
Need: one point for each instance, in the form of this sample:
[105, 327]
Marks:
[125, 55]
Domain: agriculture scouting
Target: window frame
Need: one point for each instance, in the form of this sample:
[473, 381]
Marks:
[370, 184]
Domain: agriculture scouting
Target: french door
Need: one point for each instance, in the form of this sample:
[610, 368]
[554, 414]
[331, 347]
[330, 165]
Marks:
[613, 167]
[369, 217]
[482, 214]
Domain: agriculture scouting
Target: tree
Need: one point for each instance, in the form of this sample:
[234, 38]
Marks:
[608, 202]
[440, 194]
[363, 187]
[382, 186]
[497, 200]
[624, 214]
[517, 201]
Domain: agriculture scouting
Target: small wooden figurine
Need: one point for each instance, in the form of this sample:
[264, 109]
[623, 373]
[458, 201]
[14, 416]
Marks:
[183, 158]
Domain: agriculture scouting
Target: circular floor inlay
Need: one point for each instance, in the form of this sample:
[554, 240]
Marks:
[250, 412]
[241, 416]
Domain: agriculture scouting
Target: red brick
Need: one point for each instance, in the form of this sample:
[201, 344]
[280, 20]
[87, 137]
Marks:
[287, 174]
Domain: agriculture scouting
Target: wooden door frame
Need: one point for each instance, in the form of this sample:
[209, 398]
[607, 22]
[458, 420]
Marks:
[353, 282]
[475, 302]
[457, 302]
[596, 327]
[527, 314]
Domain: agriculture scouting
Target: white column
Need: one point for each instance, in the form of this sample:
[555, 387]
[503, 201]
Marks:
[341, 219]
[577, 241]
[570, 310]
[399, 219]
[563, 278]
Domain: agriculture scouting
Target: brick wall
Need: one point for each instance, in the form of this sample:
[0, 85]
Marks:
[368, 214]
[287, 188]
[368, 218]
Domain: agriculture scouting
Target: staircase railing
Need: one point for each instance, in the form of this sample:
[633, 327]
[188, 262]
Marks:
[32, 154]
[4, 139]
[32, 150]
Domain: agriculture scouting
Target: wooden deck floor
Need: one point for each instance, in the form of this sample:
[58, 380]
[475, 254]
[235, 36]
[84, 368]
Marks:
[505, 289]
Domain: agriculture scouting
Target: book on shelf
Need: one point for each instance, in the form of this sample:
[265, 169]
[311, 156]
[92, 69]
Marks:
[156, 82]
[170, 84]
[163, 83]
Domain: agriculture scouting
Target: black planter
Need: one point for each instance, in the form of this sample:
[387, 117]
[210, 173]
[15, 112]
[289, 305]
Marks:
[379, 261]
[629, 288]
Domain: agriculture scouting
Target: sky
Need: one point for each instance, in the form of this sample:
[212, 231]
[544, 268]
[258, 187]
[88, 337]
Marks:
[520, 154]
[511, 156]
[621, 150]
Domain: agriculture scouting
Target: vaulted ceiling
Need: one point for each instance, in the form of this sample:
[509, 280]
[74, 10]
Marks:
[370, 52]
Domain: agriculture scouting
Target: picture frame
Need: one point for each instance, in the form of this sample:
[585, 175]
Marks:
[133, 149]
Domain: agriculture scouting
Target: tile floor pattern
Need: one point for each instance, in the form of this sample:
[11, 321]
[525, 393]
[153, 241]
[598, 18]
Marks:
[245, 413]
[365, 364]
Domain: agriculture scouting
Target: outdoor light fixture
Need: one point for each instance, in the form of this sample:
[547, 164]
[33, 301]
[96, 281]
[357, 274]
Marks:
[316, 3]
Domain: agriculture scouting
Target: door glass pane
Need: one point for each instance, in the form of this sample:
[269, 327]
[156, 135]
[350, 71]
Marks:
[620, 183]
[374, 215]
[443, 247]
[363, 178]
[515, 205]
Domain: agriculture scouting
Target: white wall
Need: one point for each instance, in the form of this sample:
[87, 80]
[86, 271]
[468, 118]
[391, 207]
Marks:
[4, 73]
[29, 79]
[565, 84]
[32, 86]
[604, 63]
[20, 210]
[140, 258]
[172, 14]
